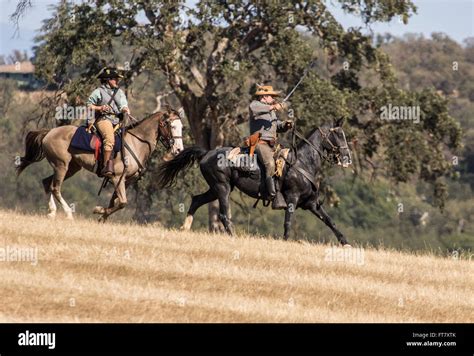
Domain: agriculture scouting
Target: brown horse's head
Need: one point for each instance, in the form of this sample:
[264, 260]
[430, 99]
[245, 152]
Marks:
[170, 133]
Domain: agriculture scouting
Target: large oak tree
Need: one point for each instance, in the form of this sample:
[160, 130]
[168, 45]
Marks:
[211, 53]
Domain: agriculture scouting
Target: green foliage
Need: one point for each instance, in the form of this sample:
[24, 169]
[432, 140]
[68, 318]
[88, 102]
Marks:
[213, 59]
[363, 205]
[317, 102]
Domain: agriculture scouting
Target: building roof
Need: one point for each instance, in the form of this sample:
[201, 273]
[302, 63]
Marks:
[21, 67]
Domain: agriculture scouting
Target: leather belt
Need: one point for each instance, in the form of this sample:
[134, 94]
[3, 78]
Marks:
[271, 143]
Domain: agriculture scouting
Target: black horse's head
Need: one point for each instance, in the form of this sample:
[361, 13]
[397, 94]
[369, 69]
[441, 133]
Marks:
[334, 141]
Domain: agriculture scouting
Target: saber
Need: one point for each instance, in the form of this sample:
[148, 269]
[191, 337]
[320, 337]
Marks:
[311, 65]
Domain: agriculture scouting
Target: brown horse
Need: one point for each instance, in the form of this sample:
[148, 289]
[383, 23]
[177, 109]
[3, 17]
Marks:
[141, 137]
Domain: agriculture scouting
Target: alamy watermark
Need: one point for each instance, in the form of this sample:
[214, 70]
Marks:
[346, 255]
[397, 113]
[19, 254]
[29, 338]
[70, 113]
[242, 160]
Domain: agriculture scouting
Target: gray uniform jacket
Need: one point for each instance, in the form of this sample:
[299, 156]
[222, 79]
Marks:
[265, 120]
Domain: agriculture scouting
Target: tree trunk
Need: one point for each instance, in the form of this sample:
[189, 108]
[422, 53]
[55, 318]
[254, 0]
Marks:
[143, 204]
[207, 134]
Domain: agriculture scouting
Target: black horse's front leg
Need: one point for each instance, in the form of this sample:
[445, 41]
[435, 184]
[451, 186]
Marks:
[288, 218]
[318, 210]
[223, 194]
[289, 212]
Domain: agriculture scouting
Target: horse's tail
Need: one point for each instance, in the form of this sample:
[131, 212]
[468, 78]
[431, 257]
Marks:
[168, 171]
[33, 149]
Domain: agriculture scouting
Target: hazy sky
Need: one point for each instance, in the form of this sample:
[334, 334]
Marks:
[453, 17]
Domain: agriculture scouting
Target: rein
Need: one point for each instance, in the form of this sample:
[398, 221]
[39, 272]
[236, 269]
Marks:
[325, 136]
[296, 133]
[167, 143]
[141, 168]
[140, 139]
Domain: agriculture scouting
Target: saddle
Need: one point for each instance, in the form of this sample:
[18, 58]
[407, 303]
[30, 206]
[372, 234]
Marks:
[88, 140]
[241, 154]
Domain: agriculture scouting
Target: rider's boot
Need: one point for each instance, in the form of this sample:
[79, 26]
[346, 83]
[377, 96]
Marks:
[270, 187]
[279, 200]
[108, 170]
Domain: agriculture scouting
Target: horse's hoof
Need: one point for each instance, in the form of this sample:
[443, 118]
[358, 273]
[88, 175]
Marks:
[185, 227]
[69, 217]
[102, 219]
[99, 210]
[51, 215]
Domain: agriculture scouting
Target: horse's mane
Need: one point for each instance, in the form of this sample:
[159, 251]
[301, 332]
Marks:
[307, 136]
[136, 123]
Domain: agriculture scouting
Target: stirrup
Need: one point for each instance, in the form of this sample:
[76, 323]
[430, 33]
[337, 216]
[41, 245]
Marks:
[279, 202]
[107, 174]
[108, 170]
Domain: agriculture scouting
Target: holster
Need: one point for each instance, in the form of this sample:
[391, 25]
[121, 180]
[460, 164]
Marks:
[252, 141]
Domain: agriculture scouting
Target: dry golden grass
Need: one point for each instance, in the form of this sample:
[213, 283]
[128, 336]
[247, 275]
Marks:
[88, 272]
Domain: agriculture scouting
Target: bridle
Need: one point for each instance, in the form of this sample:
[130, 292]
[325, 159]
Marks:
[325, 136]
[168, 141]
[335, 150]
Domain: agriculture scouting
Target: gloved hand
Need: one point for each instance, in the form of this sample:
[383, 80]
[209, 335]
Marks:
[289, 124]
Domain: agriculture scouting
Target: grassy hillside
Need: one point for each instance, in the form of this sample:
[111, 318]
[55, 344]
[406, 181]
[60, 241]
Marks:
[87, 272]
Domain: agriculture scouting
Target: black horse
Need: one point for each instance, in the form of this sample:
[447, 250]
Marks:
[298, 183]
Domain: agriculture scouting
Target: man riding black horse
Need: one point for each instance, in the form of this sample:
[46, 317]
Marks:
[263, 119]
[299, 185]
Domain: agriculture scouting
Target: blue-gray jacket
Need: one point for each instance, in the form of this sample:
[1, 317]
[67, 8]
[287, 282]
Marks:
[102, 95]
[265, 120]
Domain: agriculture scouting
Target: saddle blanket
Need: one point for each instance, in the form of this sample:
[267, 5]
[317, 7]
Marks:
[86, 141]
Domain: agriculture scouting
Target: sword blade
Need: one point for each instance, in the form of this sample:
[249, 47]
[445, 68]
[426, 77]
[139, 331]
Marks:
[311, 65]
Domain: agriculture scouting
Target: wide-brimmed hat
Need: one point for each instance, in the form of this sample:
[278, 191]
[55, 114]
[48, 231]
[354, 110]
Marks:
[109, 73]
[266, 90]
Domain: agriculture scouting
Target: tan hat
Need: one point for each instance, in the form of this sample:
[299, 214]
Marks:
[266, 90]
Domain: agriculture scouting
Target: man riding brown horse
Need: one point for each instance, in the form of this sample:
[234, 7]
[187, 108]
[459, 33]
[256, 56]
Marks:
[110, 105]
[263, 119]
